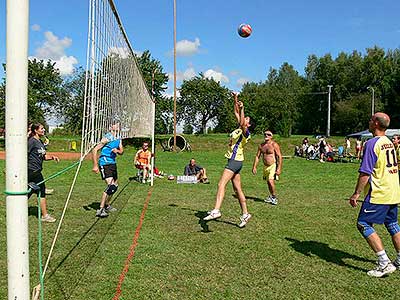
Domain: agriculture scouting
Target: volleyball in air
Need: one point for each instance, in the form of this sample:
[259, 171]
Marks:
[244, 30]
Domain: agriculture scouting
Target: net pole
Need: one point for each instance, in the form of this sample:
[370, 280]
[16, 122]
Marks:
[152, 128]
[174, 76]
[16, 149]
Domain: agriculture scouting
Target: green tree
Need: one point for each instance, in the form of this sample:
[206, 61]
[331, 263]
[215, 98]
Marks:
[156, 81]
[71, 110]
[201, 101]
[45, 91]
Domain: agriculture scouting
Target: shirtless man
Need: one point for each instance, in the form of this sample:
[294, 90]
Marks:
[272, 158]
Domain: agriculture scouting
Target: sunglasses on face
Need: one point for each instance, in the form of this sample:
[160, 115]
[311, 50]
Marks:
[267, 134]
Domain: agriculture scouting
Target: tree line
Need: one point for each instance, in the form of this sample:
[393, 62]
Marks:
[286, 102]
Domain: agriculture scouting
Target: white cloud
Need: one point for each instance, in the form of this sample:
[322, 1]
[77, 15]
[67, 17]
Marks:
[187, 48]
[122, 52]
[54, 49]
[35, 27]
[217, 76]
[185, 75]
[242, 80]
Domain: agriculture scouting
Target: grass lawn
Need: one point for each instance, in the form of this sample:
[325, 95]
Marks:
[306, 247]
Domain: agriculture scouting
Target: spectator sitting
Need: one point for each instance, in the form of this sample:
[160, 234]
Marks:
[304, 146]
[142, 160]
[192, 169]
[297, 151]
[329, 153]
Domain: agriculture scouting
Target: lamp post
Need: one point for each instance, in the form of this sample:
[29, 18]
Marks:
[373, 99]
[328, 126]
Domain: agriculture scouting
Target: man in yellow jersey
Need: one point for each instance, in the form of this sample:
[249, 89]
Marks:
[238, 138]
[378, 177]
[272, 158]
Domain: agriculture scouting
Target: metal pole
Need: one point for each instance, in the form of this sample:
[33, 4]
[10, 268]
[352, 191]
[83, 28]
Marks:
[152, 129]
[372, 100]
[16, 149]
[328, 127]
[174, 75]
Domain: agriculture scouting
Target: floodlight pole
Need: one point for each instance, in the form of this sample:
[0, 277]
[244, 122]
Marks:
[372, 100]
[328, 127]
[174, 75]
[16, 149]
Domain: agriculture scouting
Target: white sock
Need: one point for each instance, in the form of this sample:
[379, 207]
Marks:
[383, 259]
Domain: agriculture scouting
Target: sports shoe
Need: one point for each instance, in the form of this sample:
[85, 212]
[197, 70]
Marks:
[49, 191]
[110, 208]
[244, 219]
[274, 200]
[214, 214]
[379, 271]
[396, 262]
[101, 213]
[48, 219]
[268, 199]
[206, 181]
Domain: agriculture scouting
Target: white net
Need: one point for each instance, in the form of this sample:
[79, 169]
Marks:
[115, 91]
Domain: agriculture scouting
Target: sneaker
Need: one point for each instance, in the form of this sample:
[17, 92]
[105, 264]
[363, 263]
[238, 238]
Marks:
[214, 214]
[396, 263]
[48, 219]
[268, 199]
[274, 200]
[379, 271]
[101, 213]
[110, 208]
[49, 191]
[206, 181]
[244, 219]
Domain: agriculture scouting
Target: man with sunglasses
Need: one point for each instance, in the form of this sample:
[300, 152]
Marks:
[272, 158]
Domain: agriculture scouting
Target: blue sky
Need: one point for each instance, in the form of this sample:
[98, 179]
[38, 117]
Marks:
[283, 31]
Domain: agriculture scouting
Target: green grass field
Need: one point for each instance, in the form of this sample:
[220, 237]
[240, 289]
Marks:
[306, 247]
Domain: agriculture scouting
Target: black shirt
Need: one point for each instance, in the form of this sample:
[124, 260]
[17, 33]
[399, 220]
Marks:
[190, 171]
[36, 154]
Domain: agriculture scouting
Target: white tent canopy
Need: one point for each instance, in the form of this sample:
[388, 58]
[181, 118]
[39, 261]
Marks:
[367, 135]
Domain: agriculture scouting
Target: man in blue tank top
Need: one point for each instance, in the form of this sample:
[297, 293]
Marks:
[110, 145]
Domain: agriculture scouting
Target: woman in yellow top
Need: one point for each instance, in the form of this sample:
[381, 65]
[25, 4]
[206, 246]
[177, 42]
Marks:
[238, 138]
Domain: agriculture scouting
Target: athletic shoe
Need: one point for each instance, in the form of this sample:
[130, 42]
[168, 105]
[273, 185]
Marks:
[379, 271]
[214, 214]
[268, 199]
[206, 181]
[101, 213]
[48, 219]
[110, 208]
[244, 219]
[274, 200]
[49, 191]
[396, 263]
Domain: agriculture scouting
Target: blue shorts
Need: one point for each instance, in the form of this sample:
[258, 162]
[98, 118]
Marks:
[378, 213]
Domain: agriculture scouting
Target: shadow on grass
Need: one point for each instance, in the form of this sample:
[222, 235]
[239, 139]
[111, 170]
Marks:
[87, 245]
[204, 224]
[323, 251]
[33, 211]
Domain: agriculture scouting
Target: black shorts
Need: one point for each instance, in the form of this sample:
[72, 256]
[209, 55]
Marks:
[108, 171]
[36, 177]
[234, 165]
